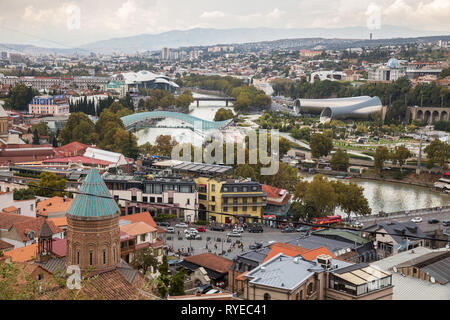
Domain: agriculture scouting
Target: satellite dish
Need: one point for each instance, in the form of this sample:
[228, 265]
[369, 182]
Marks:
[432, 280]
[395, 269]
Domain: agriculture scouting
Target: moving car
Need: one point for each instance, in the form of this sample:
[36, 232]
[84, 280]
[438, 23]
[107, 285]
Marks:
[212, 291]
[256, 229]
[416, 220]
[446, 223]
[217, 228]
[357, 224]
[240, 230]
[255, 246]
[201, 229]
[433, 221]
[288, 230]
[181, 225]
[303, 229]
[193, 236]
[234, 234]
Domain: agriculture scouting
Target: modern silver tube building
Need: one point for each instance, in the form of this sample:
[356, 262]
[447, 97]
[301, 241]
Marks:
[340, 108]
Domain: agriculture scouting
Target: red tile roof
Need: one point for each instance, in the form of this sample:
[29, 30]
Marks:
[140, 217]
[71, 149]
[34, 225]
[211, 261]
[52, 205]
[76, 159]
[23, 254]
[59, 247]
[287, 249]
[5, 245]
[276, 196]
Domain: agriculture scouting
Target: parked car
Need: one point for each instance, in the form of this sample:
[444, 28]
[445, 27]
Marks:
[163, 224]
[446, 223]
[212, 291]
[255, 246]
[217, 228]
[288, 230]
[256, 229]
[240, 230]
[173, 262]
[201, 229]
[205, 288]
[170, 230]
[191, 230]
[416, 220]
[193, 236]
[234, 234]
[433, 221]
[181, 225]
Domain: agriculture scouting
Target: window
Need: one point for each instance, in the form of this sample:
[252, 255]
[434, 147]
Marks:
[152, 199]
[235, 209]
[266, 296]
[145, 199]
[254, 208]
[170, 200]
[213, 187]
[143, 238]
[225, 209]
[91, 257]
[188, 201]
[245, 189]
[310, 289]
[104, 256]
[300, 295]
[133, 198]
[160, 200]
[31, 207]
[78, 257]
[114, 251]
[213, 208]
[174, 211]
[244, 208]
[255, 200]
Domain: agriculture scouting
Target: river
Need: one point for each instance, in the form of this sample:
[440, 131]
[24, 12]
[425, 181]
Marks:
[392, 197]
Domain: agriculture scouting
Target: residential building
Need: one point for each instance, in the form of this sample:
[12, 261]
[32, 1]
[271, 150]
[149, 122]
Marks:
[160, 195]
[410, 287]
[10, 154]
[278, 201]
[20, 207]
[22, 231]
[54, 105]
[294, 278]
[55, 207]
[215, 266]
[400, 236]
[241, 201]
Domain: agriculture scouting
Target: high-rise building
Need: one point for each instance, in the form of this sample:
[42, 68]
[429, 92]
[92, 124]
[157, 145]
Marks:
[165, 53]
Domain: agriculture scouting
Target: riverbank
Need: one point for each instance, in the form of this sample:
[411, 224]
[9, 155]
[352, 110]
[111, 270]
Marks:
[425, 180]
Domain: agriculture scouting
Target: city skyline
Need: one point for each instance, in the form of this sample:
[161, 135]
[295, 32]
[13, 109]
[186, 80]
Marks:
[70, 23]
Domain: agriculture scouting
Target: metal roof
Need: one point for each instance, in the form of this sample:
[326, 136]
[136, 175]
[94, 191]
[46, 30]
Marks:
[90, 206]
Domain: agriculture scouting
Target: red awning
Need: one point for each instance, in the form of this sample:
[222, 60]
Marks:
[447, 174]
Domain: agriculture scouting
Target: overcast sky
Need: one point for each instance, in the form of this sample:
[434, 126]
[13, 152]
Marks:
[62, 23]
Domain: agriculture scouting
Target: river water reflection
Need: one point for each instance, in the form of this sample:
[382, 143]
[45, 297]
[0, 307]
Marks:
[391, 197]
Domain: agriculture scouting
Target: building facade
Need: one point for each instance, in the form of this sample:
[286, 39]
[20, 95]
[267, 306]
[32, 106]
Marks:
[54, 105]
[240, 201]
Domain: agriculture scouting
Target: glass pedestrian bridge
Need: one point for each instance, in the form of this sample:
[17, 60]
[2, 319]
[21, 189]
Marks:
[188, 121]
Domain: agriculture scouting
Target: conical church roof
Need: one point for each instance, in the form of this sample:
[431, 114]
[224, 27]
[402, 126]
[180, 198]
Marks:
[90, 206]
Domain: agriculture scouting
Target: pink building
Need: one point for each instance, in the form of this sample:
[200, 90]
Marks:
[52, 105]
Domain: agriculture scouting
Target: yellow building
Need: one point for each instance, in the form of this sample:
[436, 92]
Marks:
[242, 200]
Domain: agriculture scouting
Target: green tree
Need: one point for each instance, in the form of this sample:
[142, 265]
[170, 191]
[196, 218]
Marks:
[223, 114]
[318, 195]
[177, 284]
[164, 144]
[350, 198]
[49, 185]
[144, 260]
[20, 96]
[381, 155]
[340, 160]
[36, 137]
[321, 145]
[78, 128]
[438, 152]
[23, 194]
[400, 154]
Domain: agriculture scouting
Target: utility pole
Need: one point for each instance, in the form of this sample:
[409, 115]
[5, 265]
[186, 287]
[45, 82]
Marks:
[420, 156]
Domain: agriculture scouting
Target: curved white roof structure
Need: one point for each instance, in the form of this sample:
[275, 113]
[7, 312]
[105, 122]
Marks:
[340, 108]
[134, 78]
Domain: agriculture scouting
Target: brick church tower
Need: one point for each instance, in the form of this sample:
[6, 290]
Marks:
[93, 233]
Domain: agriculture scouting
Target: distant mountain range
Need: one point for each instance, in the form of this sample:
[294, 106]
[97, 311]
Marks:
[207, 37]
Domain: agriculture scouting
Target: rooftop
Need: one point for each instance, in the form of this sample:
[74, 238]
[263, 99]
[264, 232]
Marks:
[89, 205]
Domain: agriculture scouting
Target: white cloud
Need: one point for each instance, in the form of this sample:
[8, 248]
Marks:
[212, 14]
